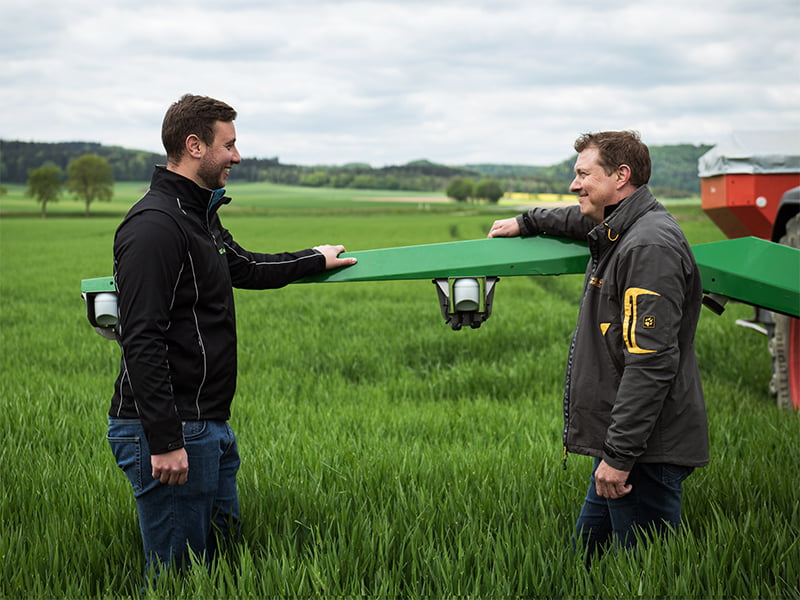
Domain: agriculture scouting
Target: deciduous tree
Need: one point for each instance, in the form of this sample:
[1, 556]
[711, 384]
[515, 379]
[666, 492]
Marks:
[460, 189]
[489, 190]
[44, 184]
[90, 178]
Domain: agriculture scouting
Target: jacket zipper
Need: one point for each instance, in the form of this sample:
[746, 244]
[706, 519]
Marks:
[571, 356]
[213, 205]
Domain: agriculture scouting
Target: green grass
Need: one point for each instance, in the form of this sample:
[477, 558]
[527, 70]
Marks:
[384, 455]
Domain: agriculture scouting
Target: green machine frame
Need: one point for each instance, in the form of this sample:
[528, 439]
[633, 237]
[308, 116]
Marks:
[748, 270]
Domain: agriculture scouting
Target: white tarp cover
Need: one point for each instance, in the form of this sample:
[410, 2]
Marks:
[755, 152]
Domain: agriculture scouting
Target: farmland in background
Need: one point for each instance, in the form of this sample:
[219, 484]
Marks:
[383, 453]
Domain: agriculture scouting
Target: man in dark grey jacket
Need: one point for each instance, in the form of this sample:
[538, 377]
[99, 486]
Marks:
[175, 267]
[633, 398]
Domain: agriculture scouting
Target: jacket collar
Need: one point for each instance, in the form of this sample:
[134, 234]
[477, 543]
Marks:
[621, 218]
[190, 195]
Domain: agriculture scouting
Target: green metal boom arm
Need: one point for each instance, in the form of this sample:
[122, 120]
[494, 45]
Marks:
[497, 257]
[748, 270]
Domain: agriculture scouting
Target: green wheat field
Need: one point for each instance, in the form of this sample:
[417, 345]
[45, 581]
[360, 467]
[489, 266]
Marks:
[384, 455]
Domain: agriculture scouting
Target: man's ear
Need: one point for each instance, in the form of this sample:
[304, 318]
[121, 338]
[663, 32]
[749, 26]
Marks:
[623, 176]
[194, 146]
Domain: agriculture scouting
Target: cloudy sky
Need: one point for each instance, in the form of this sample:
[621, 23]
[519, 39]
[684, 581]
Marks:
[387, 82]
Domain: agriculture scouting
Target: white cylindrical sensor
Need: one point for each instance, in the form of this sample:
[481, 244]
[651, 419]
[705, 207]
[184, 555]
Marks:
[105, 309]
[466, 294]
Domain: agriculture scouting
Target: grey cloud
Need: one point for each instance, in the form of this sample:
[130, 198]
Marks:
[457, 81]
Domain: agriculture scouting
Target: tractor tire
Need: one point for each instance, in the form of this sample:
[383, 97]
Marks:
[785, 343]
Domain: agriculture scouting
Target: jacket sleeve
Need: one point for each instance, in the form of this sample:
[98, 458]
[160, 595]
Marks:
[148, 251]
[564, 221]
[652, 285]
[257, 271]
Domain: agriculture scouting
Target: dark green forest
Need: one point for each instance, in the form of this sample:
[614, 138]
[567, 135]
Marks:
[674, 169]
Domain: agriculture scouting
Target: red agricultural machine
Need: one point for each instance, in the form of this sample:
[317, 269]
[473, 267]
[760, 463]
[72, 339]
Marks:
[750, 186]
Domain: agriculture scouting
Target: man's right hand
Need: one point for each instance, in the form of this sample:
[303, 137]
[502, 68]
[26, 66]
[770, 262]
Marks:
[331, 254]
[504, 228]
[171, 467]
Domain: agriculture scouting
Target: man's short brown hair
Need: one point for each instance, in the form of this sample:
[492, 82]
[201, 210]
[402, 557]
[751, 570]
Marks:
[192, 115]
[617, 148]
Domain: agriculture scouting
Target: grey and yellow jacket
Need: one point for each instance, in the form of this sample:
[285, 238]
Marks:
[633, 390]
[175, 267]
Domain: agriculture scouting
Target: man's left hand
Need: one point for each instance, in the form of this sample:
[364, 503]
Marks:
[610, 482]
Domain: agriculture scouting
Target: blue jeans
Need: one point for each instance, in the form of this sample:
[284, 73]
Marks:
[653, 506]
[199, 515]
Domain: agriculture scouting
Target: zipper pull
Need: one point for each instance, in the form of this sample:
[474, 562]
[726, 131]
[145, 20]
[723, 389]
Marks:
[564, 460]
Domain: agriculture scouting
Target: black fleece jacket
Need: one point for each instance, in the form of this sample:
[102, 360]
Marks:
[175, 267]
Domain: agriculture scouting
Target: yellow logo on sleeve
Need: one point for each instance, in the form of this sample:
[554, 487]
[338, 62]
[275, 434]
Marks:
[632, 317]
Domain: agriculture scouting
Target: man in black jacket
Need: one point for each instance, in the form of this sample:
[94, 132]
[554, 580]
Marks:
[633, 398]
[175, 267]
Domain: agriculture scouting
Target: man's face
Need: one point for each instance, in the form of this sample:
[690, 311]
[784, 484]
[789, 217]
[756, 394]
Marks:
[595, 189]
[219, 156]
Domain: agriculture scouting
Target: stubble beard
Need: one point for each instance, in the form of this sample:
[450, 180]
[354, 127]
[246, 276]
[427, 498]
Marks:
[212, 175]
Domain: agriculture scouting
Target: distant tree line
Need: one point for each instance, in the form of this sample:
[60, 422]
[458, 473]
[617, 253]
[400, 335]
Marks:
[17, 158]
[420, 175]
[674, 173]
[674, 169]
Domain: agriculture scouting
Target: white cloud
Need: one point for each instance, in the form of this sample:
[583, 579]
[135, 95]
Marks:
[386, 82]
